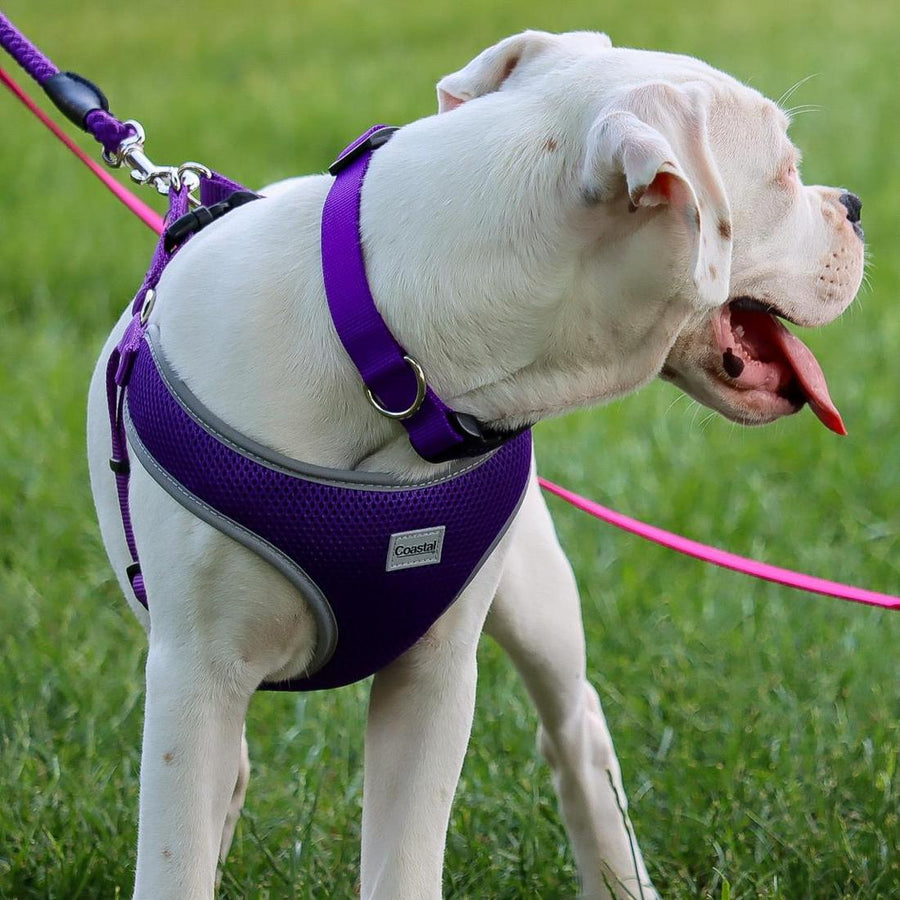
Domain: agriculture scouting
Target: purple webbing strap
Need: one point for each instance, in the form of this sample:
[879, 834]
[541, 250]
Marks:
[366, 338]
[102, 125]
[217, 188]
[118, 369]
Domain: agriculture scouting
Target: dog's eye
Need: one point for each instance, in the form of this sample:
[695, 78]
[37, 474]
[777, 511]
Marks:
[789, 175]
[792, 170]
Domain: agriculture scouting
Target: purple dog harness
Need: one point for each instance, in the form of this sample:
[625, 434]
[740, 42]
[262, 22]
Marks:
[378, 562]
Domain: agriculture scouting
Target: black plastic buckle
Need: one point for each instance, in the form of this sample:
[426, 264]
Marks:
[74, 96]
[197, 219]
[478, 439]
[132, 572]
[375, 140]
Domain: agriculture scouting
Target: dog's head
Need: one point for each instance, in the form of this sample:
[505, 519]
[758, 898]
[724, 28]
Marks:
[698, 234]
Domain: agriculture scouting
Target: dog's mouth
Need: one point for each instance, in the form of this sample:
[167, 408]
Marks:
[758, 353]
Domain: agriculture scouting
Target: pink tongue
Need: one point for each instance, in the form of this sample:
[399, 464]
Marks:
[809, 373]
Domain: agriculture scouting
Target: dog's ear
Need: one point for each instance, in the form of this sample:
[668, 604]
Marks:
[487, 72]
[655, 140]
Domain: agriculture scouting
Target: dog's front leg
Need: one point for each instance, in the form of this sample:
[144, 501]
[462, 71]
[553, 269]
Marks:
[189, 768]
[536, 618]
[420, 717]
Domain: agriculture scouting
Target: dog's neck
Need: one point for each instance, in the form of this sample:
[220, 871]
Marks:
[516, 304]
[502, 303]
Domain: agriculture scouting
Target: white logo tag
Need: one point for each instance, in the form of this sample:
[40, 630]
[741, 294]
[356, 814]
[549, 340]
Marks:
[408, 549]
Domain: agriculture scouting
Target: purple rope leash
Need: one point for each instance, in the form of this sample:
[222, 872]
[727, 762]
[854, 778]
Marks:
[82, 102]
[35, 63]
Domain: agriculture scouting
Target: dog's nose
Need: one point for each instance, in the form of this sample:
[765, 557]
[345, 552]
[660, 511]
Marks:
[853, 205]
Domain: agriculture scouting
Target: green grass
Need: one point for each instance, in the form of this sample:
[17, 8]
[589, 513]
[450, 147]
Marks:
[757, 727]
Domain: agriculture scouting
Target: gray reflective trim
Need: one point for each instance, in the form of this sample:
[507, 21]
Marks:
[503, 530]
[326, 626]
[272, 459]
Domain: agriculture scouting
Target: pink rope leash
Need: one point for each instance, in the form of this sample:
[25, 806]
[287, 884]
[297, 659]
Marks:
[722, 558]
[712, 555]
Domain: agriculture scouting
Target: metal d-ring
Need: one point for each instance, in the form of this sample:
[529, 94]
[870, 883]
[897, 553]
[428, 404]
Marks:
[190, 175]
[421, 386]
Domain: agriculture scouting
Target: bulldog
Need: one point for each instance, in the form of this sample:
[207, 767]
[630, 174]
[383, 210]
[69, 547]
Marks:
[576, 220]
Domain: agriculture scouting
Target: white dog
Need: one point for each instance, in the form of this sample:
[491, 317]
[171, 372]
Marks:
[577, 220]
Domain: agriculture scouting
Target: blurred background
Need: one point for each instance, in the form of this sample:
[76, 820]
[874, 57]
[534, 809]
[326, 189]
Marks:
[757, 727]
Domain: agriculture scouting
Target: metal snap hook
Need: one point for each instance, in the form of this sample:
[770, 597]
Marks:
[135, 141]
[145, 171]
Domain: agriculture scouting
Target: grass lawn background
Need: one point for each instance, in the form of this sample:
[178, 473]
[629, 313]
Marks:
[757, 727]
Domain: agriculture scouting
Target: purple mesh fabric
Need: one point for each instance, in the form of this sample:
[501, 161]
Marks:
[339, 534]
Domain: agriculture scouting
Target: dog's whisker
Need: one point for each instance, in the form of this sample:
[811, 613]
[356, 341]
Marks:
[680, 397]
[801, 108]
[696, 421]
[795, 87]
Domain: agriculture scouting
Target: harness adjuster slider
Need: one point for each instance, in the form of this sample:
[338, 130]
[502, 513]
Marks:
[119, 466]
[375, 140]
[132, 572]
[147, 306]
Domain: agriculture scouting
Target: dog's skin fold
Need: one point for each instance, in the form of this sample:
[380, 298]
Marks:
[575, 221]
